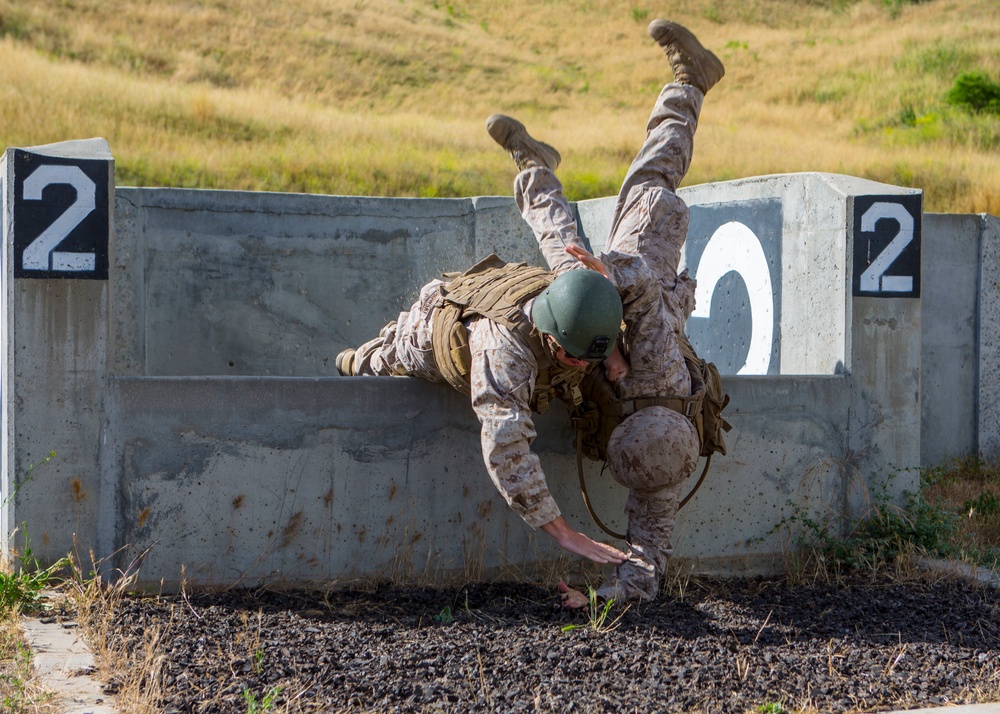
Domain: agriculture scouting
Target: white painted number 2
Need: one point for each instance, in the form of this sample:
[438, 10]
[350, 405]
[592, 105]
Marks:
[41, 253]
[874, 278]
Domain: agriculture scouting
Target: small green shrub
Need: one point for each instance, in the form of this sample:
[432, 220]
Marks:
[882, 536]
[599, 615]
[985, 504]
[23, 589]
[975, 92]
[266, 704]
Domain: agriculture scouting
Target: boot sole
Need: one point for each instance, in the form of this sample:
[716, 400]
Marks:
[345, 363]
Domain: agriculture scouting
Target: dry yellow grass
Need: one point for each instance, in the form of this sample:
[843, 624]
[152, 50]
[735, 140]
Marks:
[388, 97]
[970, 489]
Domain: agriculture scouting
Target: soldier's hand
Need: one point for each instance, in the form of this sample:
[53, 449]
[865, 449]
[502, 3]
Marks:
[571, 599]
[581, 544]
[588, 259]
[616, 366]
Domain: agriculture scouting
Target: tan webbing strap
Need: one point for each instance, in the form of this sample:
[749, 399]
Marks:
[586, 496]
[686, 406]
[701, 479]
[447, 348]
[498, 291]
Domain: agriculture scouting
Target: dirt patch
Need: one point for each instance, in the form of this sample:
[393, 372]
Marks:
[711, 645]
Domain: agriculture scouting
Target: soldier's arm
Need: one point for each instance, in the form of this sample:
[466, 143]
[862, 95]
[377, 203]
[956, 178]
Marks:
[502, 378]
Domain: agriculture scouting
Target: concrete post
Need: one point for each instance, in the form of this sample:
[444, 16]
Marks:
[883, 247]
[988, 427]
[57, 200]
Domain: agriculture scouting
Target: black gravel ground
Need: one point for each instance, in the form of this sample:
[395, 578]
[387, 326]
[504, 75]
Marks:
[712, 646]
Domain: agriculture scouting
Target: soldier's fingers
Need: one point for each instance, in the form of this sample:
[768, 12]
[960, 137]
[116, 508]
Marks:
[612, 554]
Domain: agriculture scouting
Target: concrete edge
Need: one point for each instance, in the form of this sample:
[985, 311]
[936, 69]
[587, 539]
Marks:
[983, 576]
[65, 666]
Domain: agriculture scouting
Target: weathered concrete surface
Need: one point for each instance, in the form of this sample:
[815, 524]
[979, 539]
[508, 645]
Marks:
[236, 283]
[960, 350]
[950, 332]
[989, 340]
[66, 666]
[251, 479]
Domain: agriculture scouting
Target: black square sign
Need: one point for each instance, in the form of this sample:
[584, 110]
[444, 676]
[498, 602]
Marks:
[61, 223]
[887, 245]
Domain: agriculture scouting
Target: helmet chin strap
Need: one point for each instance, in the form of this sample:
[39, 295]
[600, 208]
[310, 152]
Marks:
[552, 346]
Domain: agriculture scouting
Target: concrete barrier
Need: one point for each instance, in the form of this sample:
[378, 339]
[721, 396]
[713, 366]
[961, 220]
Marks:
[960, 347]
[190, 396]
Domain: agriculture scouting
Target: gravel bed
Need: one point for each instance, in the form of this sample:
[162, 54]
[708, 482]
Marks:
[713, 646]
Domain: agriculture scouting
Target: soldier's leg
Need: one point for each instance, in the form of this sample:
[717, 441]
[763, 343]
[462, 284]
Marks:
[539, 197]
[651, 453]
[537, 191]
[403, 347]
[650, 219]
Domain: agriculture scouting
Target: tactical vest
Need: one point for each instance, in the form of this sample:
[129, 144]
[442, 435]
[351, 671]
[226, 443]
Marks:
[497, 291]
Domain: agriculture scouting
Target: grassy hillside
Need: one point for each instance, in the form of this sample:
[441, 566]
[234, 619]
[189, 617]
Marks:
[388, 97]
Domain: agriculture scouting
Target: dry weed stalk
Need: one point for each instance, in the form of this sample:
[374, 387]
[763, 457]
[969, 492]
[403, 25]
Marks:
[133, 672]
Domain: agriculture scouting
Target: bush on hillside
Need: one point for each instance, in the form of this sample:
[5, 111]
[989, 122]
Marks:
[975, 91]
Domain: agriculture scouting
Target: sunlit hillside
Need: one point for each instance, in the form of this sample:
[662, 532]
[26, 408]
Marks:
[388, 97]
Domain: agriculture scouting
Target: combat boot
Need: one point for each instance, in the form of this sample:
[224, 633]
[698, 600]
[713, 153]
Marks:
[345, 363]
[692, 63]
[527, 152]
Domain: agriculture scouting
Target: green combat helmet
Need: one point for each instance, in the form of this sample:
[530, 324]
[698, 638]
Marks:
[582, 311]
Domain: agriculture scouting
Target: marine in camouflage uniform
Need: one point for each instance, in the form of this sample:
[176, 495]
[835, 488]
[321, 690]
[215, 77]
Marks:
[653, 451]
[508, 372]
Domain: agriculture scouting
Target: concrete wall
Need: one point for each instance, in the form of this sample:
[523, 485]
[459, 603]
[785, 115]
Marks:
[250, 479]
[196, 418]
[960, 350]
[236, 283]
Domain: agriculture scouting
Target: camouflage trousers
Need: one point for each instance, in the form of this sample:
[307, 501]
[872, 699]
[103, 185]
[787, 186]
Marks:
[403, 347]
[653, 451]
[650, 219]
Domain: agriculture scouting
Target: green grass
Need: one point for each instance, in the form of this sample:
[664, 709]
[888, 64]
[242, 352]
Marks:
[602, 617]
[19, 690]
[266, 702]
[954, 514]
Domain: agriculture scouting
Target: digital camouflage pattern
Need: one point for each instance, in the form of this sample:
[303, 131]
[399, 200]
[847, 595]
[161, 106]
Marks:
[653, 451]
[656, 449]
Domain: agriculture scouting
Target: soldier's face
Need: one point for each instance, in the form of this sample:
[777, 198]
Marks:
[565, 358]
